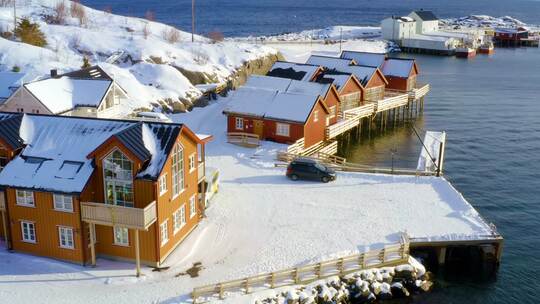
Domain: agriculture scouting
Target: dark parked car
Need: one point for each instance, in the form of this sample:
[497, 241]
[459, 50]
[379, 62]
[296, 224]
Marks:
[302, 168]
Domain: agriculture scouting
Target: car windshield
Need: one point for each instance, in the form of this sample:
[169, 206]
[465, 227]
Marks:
[320, 167]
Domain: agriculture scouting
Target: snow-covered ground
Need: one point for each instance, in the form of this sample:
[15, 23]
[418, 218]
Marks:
[146, 66]
[260, 221]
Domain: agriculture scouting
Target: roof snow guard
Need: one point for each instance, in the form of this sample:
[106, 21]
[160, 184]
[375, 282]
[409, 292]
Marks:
[426, 15]
[58, 150]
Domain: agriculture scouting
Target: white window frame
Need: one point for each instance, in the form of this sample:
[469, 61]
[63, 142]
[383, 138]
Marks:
[69, 238]
[316, 116]
[124, 237]
[164, 232]
[192, 206]
[124, 179]
[163, 184]
[281, 127]
[59, 201]
[179, 219]
[178, 170]
[239, 123]
[23, 200]
[30, 232]
[192, 163]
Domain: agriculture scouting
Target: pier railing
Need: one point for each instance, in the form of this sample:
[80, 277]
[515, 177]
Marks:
[391, 100]
[243, 139]
[419, 91]
[391, 255]
[340, 127]
[365, 110]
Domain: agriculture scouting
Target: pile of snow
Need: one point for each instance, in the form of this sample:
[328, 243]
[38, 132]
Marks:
[146, 67]
[330, 33]
[481, 21]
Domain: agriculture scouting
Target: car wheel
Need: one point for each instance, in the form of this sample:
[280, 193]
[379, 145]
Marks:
[325, 179]
[294, 177]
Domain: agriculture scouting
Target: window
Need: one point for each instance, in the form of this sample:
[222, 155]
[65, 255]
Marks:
[164, 232]
[28, 231]
[316, 116]
[332, 112]
[192, 207]
[163, 184]
[282, 129]
[192, 162]
[121, 236]
[179, 218]
[239, 123]
[118, 175]
[65, 235]
[63, 202]
[178, 169]
[25, 198]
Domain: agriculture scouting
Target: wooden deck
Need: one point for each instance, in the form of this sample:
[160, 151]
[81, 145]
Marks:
[111, 215]
[392, 255]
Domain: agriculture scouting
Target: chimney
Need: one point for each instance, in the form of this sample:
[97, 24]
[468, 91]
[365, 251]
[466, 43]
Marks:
[54, 73]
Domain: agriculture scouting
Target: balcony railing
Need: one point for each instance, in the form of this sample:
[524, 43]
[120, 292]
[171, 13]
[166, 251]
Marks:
[110, 215]
[2, 201]
[201, 172]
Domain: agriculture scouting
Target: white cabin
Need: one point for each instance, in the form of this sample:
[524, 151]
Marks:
[398, 28]
[426, 21]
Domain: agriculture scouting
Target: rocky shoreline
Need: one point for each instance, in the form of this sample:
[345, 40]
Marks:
[366, 286]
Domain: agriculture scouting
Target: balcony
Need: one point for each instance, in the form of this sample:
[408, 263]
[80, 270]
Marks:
[110, 215]
[200, 172]
[2, 201]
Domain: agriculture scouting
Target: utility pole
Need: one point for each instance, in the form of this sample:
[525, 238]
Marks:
[340, 38]
[192, 20]
[14, 16]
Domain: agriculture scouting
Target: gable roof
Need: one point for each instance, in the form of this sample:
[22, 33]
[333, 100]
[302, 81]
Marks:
[338, 79]
[398, 67]
[329, 62]
[272, 104]
[63, 94]
[9, 130]
[93, 72]
[426, 15]
[288, 85]
[365, 58]
[9, 82]
[362, 73]
[55, 156]
[296, 71]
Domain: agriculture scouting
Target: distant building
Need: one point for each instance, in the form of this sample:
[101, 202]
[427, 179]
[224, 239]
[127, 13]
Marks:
[510, 36]
[88, 92]
[398, 28]
[426, 21]
[9, 83]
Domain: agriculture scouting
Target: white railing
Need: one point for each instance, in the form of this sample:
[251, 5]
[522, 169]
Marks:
[392, 255]
[243, 139]
[201, 172]
[2, 201]
[111, 215]
[341, 127]
[297, 147]
[392, 99]
[359, 112]
[419, 91]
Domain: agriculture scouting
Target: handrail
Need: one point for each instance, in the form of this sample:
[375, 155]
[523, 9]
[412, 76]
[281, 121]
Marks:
[243, 139]
[390, 255]
[111, 215]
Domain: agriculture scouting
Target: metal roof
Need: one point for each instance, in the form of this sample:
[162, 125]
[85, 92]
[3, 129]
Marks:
[9, 129]
[426, 15]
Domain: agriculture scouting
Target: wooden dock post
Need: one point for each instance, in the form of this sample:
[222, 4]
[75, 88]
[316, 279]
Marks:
[93, 243]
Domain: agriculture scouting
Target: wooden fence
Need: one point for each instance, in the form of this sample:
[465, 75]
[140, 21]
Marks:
[297, 147]
[243, 139]
[388, 256]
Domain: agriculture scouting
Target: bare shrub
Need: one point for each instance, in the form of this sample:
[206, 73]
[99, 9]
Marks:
[78, 11]
[60, 13]
[171, 35]
[150, 16]
[216, 36]
[146, 31]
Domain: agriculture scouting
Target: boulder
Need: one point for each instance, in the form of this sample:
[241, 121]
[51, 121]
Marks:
[399, 291]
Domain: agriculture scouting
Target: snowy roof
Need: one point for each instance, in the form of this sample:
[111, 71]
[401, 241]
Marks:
[398, 67]
[291, 70]
[362, 73]
[65, 93]
[55, 157]
[511, 30]
[272, 104]
[93, 72]
[9, 130]
[338, 79]
[287, 85]
[251, 101]
[329, 62]
[268, 82]
[426, 15]
[365, 58]
[291, 107]
[9, 82]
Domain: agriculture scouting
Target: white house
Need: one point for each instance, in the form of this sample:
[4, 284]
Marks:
[9, 83]
[426, 21]
[88, 92]
[398, 28]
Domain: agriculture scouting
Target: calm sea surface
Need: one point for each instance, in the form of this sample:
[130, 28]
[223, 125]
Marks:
[490, 107]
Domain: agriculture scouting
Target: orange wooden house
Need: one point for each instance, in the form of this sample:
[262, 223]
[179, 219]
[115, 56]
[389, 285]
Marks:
[84, 187]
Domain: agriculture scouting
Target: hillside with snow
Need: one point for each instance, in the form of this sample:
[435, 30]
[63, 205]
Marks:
[145, 57]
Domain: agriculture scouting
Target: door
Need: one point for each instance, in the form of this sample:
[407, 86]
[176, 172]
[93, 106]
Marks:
[258, 128]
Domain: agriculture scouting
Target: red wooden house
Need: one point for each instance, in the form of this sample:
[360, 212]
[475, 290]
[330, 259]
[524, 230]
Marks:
[365, 58]
[349, 88]
[400, 73]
